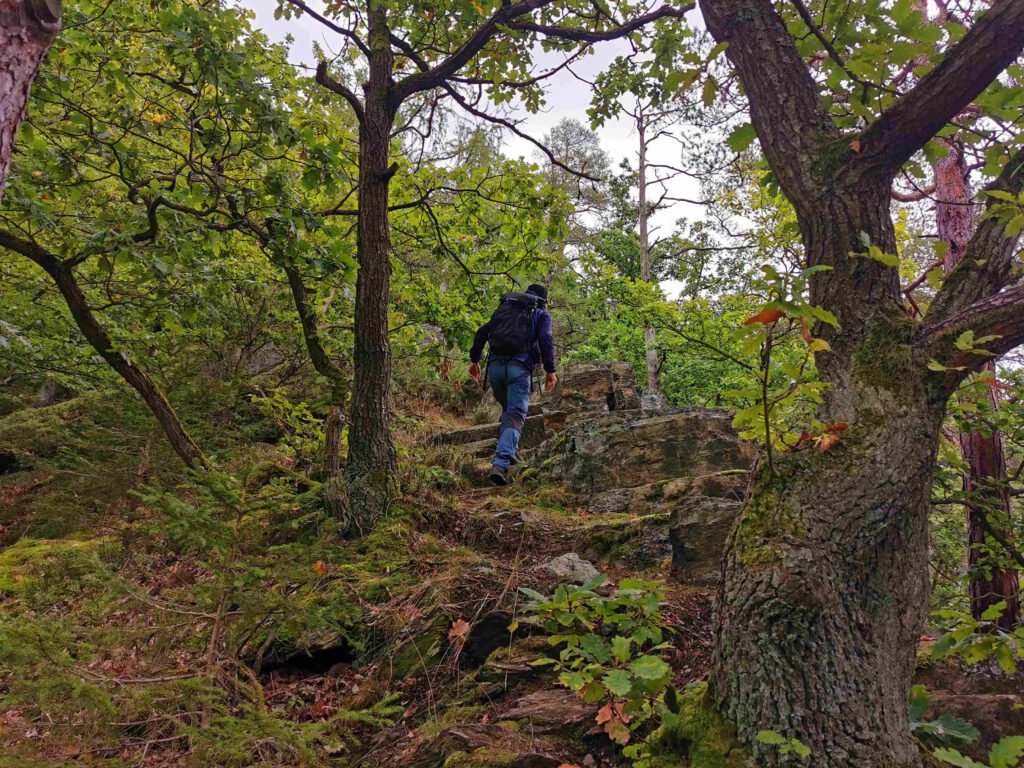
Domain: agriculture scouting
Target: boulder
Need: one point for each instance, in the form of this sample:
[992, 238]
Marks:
[595, 387]
[697, 531]
[570, 567]
[626, 449]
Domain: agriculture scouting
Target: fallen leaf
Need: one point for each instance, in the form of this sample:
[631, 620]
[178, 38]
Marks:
[855, 145]
[838, 426]
[765, 317]
[459, 631]
[320, 567]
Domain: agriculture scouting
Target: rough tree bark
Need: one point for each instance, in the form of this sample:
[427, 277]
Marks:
[99, 339]
[372, 468]
[985, 478]
[27, 30]
[824, 591]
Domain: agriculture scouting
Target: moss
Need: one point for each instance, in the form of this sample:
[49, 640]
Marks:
[21, 563]
[420, 653]
[485, 757]
[698, 738]
[886, 355]
[767, 516]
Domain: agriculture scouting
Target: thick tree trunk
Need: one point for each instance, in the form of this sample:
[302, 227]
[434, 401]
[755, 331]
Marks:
[824, 590]
[985, 479]
[27, 30]
[372, 471]
[181, 441]
[653, 392]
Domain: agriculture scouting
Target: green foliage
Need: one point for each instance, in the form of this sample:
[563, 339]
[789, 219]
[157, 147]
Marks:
[1005, 753]
[785, 746]
[946, 730]
[975, 641]
[609, 649]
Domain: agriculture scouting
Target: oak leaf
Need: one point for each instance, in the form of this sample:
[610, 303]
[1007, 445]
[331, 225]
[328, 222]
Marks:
[765, 317]
[459, 631]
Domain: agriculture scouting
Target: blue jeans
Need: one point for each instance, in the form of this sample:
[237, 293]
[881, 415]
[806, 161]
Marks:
[510, 381]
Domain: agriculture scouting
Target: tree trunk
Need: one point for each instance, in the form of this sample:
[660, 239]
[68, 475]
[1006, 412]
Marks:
[653, 392]
[824, 590]
[97, 336]
[372, 471]
[326, 367]
[985, 479]
[27, 30]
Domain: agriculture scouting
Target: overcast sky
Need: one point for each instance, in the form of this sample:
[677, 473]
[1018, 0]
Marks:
[567, 98]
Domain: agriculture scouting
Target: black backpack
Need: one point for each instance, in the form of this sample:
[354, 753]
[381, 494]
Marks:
[512, 325]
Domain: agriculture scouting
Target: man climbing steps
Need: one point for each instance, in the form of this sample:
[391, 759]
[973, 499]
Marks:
[519, 336]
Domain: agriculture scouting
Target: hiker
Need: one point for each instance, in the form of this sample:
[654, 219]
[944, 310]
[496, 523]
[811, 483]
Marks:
[519, 335]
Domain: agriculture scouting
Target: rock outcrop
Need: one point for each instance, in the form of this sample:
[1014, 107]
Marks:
[657, 485]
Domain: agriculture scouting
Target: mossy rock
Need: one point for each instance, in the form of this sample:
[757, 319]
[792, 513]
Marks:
[698, 738]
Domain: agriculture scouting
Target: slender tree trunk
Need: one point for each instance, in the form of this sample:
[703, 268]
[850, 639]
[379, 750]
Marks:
[181, 441]
[985, 478]
[333, 423]
[646, 271]
[824, 590]
[27, 30]
[372, 471]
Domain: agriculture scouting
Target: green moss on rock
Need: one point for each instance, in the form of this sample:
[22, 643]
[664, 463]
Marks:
[698, 738]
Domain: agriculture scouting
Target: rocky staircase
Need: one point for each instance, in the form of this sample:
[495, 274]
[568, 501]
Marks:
[658, 485]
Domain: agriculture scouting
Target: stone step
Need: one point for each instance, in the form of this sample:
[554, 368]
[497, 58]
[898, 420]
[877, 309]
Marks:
[534, 433]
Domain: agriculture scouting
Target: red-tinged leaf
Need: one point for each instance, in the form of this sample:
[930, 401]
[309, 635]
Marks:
[805, 331]
[604, 714]
[765, 317]
[459, 631]
[838, 426]
[320, 567]
[568, 765]
[827, 440]
[855, 145]
[618, 732]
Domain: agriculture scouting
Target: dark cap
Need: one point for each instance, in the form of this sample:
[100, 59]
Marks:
[539, 291]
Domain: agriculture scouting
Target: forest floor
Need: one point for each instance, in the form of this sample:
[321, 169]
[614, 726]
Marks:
[225, 625]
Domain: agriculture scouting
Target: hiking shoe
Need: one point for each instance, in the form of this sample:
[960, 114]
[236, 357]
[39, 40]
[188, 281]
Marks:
[499, 475]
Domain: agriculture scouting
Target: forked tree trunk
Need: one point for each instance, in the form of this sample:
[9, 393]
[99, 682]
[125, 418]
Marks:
[824, 590]
[27, 30]
[372, 471]
[985, 478]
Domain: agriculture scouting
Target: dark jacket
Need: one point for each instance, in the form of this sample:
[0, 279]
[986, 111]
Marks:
[545, 344]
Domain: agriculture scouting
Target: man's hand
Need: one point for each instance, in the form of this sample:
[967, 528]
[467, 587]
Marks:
[550, 381]
[474, 372]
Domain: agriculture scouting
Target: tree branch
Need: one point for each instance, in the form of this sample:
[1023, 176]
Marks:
[324, 78]
[348, 33]
[1001, 316]
[993, 43]
[985, 268]
[784, 106]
